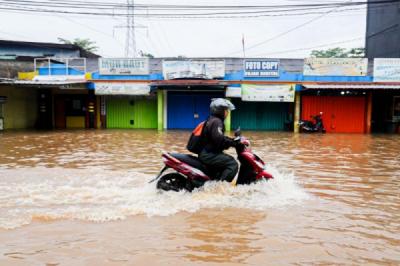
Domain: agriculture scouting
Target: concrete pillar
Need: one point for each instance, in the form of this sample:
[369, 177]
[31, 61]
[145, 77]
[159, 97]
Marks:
[98, 121]
[228, 123]
[297, 105]
[160, 110]
[368, 116]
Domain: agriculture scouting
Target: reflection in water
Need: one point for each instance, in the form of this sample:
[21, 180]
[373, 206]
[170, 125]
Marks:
[335, 200]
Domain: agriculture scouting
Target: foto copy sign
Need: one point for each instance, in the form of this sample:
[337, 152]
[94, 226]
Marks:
[261, 68]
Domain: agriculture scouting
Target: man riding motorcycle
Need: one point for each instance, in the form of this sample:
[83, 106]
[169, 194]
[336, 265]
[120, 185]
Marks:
[319, 124]
[216, 142]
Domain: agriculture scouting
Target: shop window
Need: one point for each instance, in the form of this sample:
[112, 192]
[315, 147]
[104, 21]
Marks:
[75, 107]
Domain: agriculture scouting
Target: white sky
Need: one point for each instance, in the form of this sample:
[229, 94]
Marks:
[194, 37]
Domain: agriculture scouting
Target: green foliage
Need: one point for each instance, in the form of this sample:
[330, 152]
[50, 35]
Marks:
[144, 54]
[339, 52]
[357, 52]
[85, 44]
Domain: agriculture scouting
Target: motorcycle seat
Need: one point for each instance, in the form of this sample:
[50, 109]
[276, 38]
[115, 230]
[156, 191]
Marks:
[190, 160]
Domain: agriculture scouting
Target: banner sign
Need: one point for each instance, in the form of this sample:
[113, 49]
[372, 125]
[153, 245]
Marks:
[268, 93]
[387, 70]
[61, 78]
[124, 66]
[335, 66]
[203, 69]
[115, 88]
[261, 68]
[234, 92]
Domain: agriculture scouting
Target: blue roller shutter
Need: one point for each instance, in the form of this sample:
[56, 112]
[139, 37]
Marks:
[186, 110]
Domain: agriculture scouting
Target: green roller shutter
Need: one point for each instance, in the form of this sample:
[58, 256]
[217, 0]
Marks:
[260, 115]
[131, 112]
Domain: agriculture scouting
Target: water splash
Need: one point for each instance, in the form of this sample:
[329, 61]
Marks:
[99, 196]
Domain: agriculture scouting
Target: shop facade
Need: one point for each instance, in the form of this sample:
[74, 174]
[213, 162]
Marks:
[188, 87]
[355, 96]
[18, 107]
[263, 91]
[122, 88]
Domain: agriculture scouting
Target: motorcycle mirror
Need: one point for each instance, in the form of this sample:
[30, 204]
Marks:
[238, 132]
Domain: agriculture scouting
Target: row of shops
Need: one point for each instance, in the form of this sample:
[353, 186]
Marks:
[356, 111]
[270, 95]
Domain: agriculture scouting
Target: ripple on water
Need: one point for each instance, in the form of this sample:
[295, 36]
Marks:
[110, 195]
[335, 199]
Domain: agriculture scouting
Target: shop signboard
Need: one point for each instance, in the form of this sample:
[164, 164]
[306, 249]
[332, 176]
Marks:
[124, 66]
[121, 88]
[60, 78]
[335, 66]
[233, 92]
[261, 68]
[202, 69]
[268, 93]
[387, 70]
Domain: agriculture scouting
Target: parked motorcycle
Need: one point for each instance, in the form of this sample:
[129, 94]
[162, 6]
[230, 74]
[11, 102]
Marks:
[308, 126]
[189, 173]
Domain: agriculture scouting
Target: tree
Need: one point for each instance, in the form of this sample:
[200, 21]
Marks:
[357, 52]
[85, 44]
[144, 54]
[339, 52]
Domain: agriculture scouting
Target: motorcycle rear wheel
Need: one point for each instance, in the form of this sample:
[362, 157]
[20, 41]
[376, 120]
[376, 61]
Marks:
[174, 182]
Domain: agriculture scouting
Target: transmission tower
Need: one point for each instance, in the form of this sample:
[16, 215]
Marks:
[130, 42]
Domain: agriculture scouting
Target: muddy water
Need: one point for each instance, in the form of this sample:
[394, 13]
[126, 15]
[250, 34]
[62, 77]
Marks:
[83, 198]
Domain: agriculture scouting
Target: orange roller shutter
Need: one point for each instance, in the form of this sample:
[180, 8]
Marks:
[342, 114]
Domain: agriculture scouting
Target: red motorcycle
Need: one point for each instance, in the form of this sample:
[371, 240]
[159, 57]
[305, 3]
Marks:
[189, 173]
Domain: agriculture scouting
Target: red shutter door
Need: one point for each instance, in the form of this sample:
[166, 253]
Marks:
[341, 114]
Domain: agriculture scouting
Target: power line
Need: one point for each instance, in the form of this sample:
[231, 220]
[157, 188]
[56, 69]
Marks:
[59, 7]
[280, 34]
[324, 45]
[164, 15]
[93, 4]
[285, 32]
[259, 10]
[91, 28]
[309, 48]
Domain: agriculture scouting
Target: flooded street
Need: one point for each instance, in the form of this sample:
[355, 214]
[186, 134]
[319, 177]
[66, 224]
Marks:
[83, 198]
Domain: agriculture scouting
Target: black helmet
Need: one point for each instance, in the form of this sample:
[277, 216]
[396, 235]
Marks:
[219, 105]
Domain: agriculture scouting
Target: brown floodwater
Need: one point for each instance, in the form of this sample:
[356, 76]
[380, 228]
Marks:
[83, 198]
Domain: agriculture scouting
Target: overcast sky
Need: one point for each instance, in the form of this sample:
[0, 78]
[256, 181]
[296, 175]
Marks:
[196, 37]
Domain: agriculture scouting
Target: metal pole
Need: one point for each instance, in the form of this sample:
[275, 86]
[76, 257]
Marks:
[49, 74]
[66, 66]
[296, 112]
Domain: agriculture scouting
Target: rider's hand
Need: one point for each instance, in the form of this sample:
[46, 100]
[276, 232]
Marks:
[245, 142]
